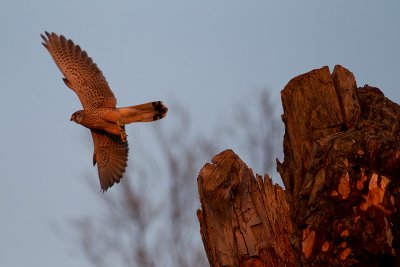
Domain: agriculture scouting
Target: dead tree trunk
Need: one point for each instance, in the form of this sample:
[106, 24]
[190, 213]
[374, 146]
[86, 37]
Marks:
[340, 170]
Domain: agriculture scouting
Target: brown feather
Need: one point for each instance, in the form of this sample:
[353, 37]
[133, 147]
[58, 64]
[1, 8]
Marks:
[111, 156]
[84, 77]
[147, 112]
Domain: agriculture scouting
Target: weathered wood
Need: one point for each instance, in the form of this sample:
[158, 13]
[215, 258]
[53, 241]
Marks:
[346, 90]
[343, 208]
[312, 111]
[341, 171]
[244, 220]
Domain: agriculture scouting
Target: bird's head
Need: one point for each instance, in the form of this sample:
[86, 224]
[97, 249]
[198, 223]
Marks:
[77, 116]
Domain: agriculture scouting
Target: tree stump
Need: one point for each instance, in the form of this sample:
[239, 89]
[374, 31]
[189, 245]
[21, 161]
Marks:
[244, 220]
[340, 170]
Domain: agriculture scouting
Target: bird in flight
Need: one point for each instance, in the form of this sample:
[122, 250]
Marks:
[100, 114]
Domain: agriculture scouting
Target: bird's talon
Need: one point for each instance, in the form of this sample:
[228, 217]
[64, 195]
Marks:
[123, 137]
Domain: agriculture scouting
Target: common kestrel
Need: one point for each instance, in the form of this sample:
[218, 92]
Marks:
[100, 114]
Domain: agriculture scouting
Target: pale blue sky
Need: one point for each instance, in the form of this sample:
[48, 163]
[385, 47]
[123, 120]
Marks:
[206, 55]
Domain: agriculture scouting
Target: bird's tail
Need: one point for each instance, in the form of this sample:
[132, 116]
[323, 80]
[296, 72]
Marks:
[151, 111]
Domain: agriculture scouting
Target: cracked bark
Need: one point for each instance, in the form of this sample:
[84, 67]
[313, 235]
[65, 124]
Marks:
[340, 171]
[241, 215]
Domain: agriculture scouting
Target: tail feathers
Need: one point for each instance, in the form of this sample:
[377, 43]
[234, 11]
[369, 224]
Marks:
[151, 111]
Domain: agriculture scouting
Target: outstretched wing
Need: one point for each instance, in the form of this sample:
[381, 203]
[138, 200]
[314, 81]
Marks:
[111, 156]
[81, 74]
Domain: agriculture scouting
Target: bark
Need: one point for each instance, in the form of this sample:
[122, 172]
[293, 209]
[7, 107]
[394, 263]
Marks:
[244, 220]
[340, 171]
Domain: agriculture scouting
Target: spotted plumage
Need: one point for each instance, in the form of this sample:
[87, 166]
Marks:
[99, 114]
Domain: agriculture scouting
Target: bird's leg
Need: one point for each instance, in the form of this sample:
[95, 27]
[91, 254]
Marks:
[123, 136]
[122, 132]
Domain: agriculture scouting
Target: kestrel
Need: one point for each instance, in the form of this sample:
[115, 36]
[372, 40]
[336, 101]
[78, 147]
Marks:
[100, 114]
